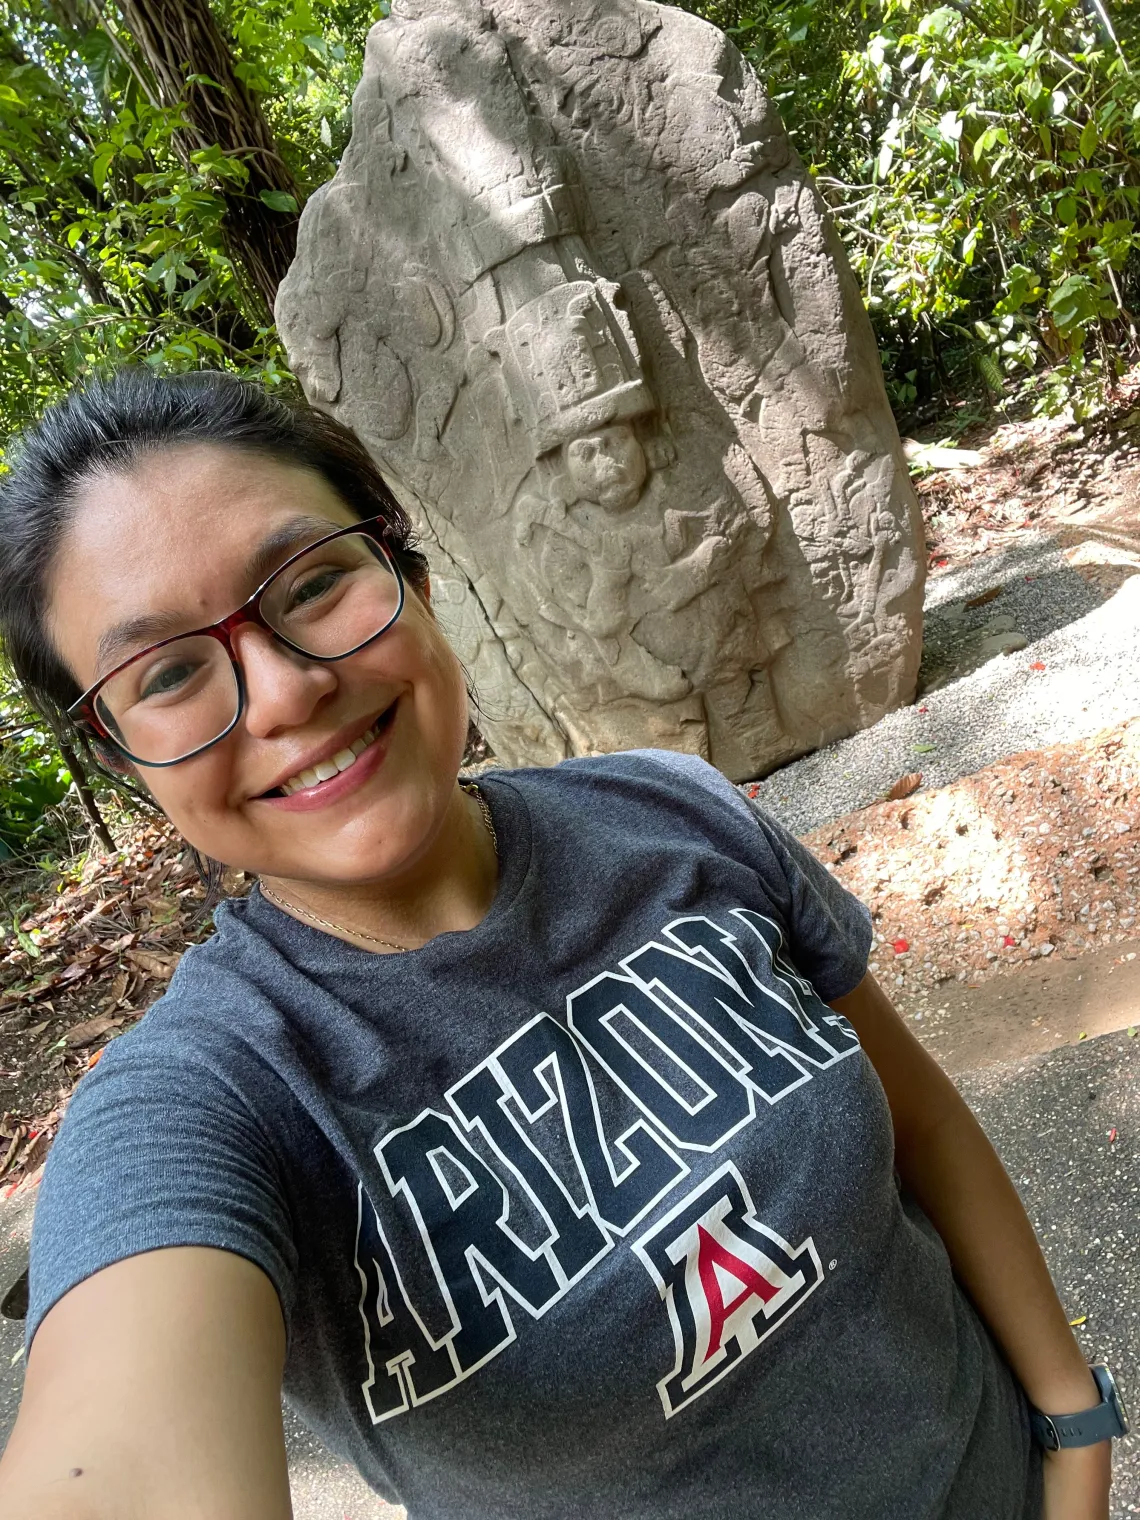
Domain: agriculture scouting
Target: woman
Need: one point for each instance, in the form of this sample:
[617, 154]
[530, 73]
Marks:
[536, 1136]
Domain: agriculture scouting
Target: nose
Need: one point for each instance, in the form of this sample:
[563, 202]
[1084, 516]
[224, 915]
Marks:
[282, 689]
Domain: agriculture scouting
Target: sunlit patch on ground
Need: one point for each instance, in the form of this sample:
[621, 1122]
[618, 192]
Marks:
[1034, 857]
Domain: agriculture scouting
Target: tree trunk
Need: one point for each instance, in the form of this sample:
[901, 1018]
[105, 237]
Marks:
[181, 38]
[87, 797]
[79, 775]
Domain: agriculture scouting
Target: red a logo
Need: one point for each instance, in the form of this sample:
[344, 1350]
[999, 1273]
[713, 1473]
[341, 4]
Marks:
[727, 1280]
[714, 1263]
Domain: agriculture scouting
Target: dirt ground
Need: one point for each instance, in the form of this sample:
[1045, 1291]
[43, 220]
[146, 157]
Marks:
[1038, 856]
[1078, 483]
[85, 956]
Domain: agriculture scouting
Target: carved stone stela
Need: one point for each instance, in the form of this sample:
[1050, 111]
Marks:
[577, 295]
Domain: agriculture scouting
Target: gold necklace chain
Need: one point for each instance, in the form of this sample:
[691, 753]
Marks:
[326, 923]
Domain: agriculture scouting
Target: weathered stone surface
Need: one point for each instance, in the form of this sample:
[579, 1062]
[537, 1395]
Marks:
[573, 289]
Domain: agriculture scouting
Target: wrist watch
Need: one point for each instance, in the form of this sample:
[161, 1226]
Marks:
[1086, 1428]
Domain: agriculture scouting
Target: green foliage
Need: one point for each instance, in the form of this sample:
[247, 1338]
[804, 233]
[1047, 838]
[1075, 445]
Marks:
[33, 778]
[982, 159]
[111, 231]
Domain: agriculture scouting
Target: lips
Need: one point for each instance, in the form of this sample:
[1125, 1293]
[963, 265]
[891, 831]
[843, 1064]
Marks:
[343, 760]
[326, 773]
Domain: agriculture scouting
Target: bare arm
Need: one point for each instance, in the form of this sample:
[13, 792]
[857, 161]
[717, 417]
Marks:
[950, 1167]
[153, 1393]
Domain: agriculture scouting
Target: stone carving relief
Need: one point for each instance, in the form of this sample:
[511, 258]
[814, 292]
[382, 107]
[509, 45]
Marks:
[576, 294]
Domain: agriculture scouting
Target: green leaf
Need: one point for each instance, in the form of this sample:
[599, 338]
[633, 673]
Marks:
[98, 53]
[1089, 139]
[277, 200]
[1067, 210]
[101, 164]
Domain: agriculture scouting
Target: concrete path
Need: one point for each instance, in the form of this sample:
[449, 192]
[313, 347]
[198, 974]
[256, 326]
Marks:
[1076, 677]
[1050, 1115]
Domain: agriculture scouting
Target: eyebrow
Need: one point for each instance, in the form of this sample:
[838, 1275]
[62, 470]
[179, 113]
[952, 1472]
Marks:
[287, 537]
[133, 635]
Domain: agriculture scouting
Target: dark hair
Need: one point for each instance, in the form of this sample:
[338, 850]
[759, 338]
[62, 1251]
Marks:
[108, 426]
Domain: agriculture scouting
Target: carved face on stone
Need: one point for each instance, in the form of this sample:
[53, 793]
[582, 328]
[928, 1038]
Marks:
[607, 466]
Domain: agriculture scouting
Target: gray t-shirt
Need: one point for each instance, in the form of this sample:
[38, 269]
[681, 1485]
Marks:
[589, 1210]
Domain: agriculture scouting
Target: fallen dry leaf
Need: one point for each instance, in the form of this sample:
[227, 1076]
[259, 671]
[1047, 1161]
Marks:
[985, 597]
[13, 1149]
[904, 786]
[90, 1030]
[158, 963]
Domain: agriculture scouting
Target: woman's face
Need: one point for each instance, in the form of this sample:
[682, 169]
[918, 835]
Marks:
[180, 540]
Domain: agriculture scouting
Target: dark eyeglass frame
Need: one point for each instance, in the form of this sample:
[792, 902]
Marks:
[84, 714]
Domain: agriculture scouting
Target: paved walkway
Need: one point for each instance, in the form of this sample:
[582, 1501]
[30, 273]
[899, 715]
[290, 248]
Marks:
[1077, 677]
[1050, 1116]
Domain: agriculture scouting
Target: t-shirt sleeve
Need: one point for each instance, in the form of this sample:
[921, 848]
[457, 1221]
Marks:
[829, 930]
[157, 1149]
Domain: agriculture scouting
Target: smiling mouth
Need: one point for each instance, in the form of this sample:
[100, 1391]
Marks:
[343, 760]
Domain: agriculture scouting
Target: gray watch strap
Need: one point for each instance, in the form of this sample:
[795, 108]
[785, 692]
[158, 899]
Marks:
[1089, 1426]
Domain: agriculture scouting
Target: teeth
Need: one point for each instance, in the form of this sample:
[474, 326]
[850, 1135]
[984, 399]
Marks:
[327, 769]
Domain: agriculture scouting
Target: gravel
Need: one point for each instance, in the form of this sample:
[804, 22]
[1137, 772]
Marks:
[1090, 680]
[1040, 592]
[1067, 1125]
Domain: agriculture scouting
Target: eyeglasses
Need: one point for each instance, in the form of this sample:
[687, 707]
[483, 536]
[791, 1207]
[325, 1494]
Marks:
[179, 696]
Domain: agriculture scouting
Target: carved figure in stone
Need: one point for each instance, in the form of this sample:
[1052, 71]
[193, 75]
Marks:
[607, 466]
[573, 289]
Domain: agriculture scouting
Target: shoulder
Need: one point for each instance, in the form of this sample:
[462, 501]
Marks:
[210, 1036]
[644, 773]
[642, 800]
[173, 1139]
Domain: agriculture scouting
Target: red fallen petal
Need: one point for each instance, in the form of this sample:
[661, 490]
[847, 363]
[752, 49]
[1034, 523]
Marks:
[923, 709]
[1112, 1137]
[754, 791]
[1037, 665]
[900, 946]
[1008, 941]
